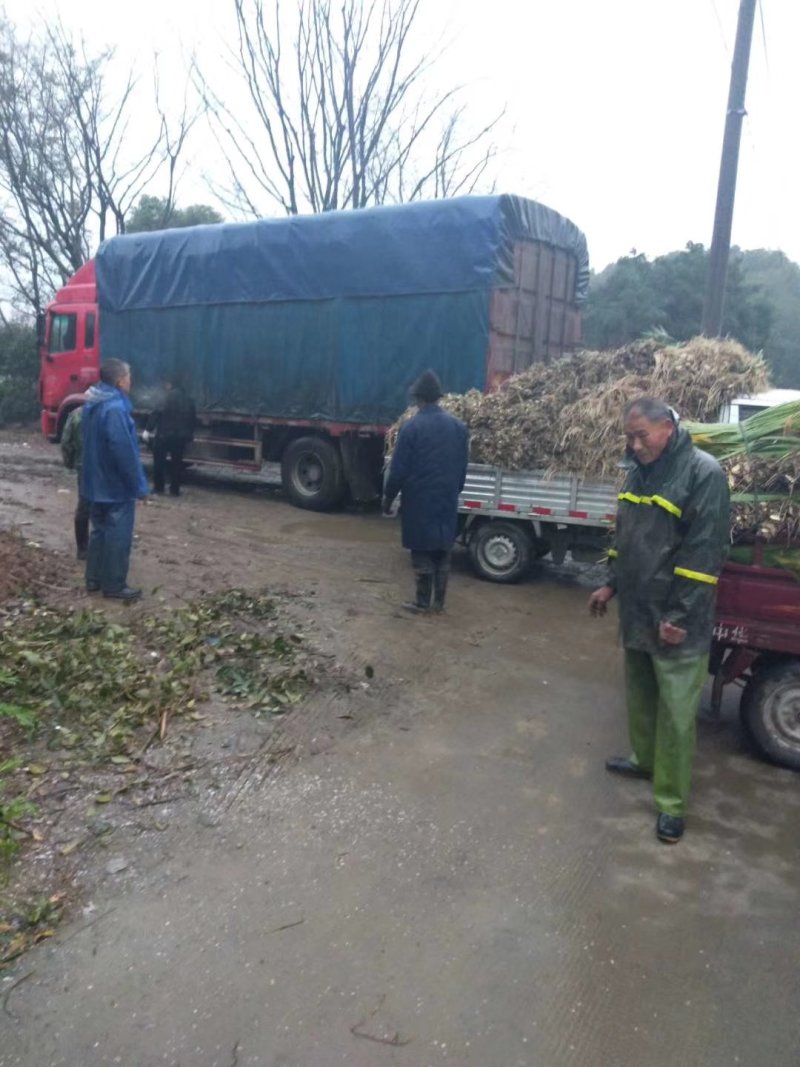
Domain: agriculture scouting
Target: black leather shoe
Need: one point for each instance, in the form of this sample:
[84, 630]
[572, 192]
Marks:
[669, 828]
[92, 588]
[623, 765]
[126, 593]
[414, 608]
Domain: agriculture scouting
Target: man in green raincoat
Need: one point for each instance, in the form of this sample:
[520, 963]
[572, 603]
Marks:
[671, 539]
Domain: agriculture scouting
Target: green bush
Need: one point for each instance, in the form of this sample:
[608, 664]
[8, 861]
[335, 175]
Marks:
[19, 374]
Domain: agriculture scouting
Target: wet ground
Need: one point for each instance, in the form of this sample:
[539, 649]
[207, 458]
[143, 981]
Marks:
[447, 877]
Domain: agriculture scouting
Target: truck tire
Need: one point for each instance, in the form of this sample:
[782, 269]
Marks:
[770, 712]
[500, 552]
[312, 474]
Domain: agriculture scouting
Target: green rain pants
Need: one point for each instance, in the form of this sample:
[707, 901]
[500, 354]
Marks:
[663, 695]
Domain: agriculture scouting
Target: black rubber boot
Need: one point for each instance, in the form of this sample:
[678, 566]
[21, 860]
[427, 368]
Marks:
[626, 767]
[440, 590]
[422, 604]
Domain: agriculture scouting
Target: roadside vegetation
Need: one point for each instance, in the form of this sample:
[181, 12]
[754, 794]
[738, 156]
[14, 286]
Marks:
[85, 701]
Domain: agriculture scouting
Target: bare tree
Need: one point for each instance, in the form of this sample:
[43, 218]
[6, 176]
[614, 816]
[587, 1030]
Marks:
[70, 167]
[46, 197]
[342, 115]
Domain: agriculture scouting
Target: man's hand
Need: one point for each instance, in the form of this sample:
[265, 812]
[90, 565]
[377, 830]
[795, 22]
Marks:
[670, 635]
[386, 506]
[598, 601]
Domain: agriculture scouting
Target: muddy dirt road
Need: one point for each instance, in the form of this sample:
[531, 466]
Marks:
[449, 876]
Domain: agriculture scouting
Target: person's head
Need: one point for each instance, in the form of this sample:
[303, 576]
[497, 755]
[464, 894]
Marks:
[173, 381]
[649, 426]
[427, 389]
[117, 373]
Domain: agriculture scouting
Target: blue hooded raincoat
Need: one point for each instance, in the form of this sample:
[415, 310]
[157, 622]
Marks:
[112, 469]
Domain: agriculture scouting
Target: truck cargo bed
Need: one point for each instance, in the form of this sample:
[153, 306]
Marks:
[561, 498]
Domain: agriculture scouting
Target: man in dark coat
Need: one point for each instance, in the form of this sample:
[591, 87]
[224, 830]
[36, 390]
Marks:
[672, 534]
[112, 480]
[171, 429]
[428, 467]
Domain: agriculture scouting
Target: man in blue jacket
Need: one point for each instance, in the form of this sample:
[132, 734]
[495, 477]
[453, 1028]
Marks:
[429, 467]
[112, 480]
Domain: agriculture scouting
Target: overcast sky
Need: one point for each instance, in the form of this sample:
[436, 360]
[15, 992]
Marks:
[615, 108]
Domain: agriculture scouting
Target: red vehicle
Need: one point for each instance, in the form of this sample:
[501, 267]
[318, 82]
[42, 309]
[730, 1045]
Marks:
[757, 644]
[298, 338]
[69, 351]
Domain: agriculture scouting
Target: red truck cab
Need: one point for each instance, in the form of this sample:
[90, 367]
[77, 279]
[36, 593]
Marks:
[69, 350]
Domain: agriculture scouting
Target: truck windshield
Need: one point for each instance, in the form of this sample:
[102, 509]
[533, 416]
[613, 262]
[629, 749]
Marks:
[63, 331]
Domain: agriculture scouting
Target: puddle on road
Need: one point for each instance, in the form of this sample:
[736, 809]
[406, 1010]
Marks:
[364, 529]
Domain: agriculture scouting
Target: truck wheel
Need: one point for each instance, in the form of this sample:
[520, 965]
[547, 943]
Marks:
[770, 712]
[500, 552]
[312, 474]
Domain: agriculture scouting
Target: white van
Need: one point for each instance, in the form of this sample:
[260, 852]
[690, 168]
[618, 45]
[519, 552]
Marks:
[744, 406]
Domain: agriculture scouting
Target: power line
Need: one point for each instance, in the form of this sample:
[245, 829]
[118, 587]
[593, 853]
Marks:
[721, 26]
[763, 36]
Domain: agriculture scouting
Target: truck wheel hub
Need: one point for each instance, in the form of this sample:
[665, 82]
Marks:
[501, 553]
[783, 715]
[308, 473]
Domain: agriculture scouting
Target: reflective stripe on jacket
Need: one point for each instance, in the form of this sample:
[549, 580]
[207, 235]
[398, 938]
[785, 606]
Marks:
[672, 534]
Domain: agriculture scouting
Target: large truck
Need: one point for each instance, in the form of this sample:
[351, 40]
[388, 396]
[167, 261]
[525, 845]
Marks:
[299, 337]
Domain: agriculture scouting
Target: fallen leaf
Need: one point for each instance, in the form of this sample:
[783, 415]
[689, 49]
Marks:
[15, 947]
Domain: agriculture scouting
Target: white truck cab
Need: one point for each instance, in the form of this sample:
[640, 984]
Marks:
[744, 406]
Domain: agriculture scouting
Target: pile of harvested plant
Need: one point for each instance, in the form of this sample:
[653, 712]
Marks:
[761, 458]
[567, 415]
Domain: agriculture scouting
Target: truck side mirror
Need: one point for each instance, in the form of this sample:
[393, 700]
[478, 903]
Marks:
[41, 319]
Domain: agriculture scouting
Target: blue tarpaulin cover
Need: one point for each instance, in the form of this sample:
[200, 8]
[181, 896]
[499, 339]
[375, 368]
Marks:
[322, 316]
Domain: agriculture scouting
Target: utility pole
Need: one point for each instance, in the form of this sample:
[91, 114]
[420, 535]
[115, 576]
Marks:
[726, 190]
